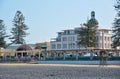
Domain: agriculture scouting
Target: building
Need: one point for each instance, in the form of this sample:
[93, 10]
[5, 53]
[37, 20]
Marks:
[17, 50]
[44, 44]
[21, 50]
[104, 39]
[67, 39]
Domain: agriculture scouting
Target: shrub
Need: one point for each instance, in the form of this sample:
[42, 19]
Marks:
[70, 58]
[59, 58]
[1, 57]
[83, 58]
[114, 58]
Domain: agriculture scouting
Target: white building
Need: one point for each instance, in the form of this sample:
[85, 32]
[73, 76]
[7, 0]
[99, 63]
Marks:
[104, 39]
[67, 39]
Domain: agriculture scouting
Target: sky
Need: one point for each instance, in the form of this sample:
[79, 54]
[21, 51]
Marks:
[47, 17]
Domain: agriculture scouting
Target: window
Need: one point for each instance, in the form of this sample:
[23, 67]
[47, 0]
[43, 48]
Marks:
[58, 46]
[69, 39]
[71, 46]
[108, 39]
[71, 32]
[64, 46]
[72, 38]
[53, 46]
[100, 45]
[64, 38]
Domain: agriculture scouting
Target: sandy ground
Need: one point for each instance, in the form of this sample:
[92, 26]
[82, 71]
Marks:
[58, 71]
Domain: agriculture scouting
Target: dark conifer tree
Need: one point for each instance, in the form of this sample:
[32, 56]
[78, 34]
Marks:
[2, 34]
[116, 26]
[19, 29]
[87, 33]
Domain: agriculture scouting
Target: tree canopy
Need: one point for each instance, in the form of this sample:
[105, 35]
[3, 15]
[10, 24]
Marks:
[116, 26]
[19, 29]
[87, 33]
[2, 34]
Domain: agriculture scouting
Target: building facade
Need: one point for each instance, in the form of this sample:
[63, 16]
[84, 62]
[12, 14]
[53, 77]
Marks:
[67, 39]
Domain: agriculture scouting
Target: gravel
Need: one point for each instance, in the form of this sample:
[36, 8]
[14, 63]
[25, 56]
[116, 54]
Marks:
[58, 72]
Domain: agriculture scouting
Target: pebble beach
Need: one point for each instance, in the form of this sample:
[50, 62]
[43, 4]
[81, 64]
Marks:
[58, 71]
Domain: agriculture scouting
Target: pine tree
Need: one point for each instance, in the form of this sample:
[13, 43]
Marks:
[19, 29]
[116, 26]
[82, 35]
[2, 34]
[87, 33]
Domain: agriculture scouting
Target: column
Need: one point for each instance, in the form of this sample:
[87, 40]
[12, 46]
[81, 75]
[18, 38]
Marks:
[64, 55]
[77, 55]
[5, 56]
[21, 54]
[54, 55]
[39, 55]
[27, 54]
[47, 54]
[91, 55]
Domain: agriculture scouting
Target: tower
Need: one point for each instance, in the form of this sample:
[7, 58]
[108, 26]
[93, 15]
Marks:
[92, 21]
[92, 14]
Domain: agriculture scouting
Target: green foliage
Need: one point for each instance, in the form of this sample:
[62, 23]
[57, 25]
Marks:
[87, 34]
[91, 38]
[82, 35]
[70, 58]
[115, 58]
[83, 58]
[38, 46]
[96, 58]
[2, 43]
[49, 58]
[103, 52]
[12, 56]
[2, 34]
[59, 58]
[8, 56]
[1, 57]
[19, 29]
[116, 26]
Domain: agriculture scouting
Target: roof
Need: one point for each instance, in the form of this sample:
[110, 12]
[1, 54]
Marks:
[93, 21]
[23, 47]
[69, 30]
[104, 30]
[13, 46]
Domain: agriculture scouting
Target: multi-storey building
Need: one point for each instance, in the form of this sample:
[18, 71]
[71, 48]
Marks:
[67, 39]
[104, 39]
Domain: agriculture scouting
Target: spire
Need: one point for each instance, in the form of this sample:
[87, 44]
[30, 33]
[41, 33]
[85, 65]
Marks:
[93, 19]
[92, 14]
